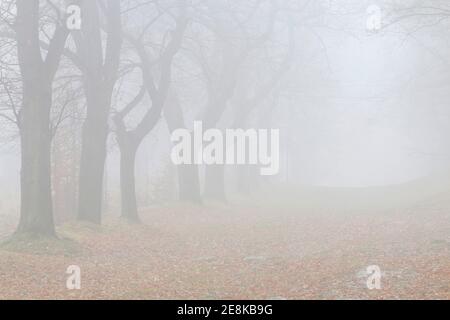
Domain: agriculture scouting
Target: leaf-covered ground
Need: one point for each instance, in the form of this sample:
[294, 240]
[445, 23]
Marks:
[265, 252]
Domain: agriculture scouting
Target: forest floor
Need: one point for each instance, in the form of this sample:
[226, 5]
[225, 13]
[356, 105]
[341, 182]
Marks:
[218, 252]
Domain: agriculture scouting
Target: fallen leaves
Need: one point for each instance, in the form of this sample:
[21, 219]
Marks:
[242, 253]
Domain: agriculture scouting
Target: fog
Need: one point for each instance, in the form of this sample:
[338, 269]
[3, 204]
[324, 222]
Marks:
[93, 93]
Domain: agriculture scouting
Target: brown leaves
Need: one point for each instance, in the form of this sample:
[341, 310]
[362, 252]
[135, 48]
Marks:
[219, 253]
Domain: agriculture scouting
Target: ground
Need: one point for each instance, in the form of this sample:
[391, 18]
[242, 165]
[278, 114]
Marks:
[241, 252]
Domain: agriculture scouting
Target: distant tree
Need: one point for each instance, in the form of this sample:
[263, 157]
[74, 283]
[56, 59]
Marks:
[188, 175]
[223, 63]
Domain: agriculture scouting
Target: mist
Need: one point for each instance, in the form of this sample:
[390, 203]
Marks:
[324, 148]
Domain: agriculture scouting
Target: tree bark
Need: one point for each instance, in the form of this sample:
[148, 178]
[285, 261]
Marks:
[92, 166]
[127, 181]
[130, 140]
[100, 71]
[36, 212]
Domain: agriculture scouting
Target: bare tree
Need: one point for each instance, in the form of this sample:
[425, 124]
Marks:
[188, 175]
[38, 73]
[100, 72]
[253, 93]
[223, 64]
[129, 140]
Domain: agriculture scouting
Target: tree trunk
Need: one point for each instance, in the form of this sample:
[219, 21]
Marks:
[215, 183]
[36, 213]
[100, 70]
[189, 184]
[127, 182]
[92, 166]
[188, 176]
[58, 181]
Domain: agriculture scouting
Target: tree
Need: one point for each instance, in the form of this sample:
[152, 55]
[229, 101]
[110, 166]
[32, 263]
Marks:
[100, 73]
[223, 64]
[188, 175]
[130, 140]
[38, 73]
[253, 94]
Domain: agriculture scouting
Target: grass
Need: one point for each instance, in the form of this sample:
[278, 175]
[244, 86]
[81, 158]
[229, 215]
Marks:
[41, 245]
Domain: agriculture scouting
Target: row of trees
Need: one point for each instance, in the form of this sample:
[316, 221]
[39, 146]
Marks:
[131, 65]
[125, 70]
